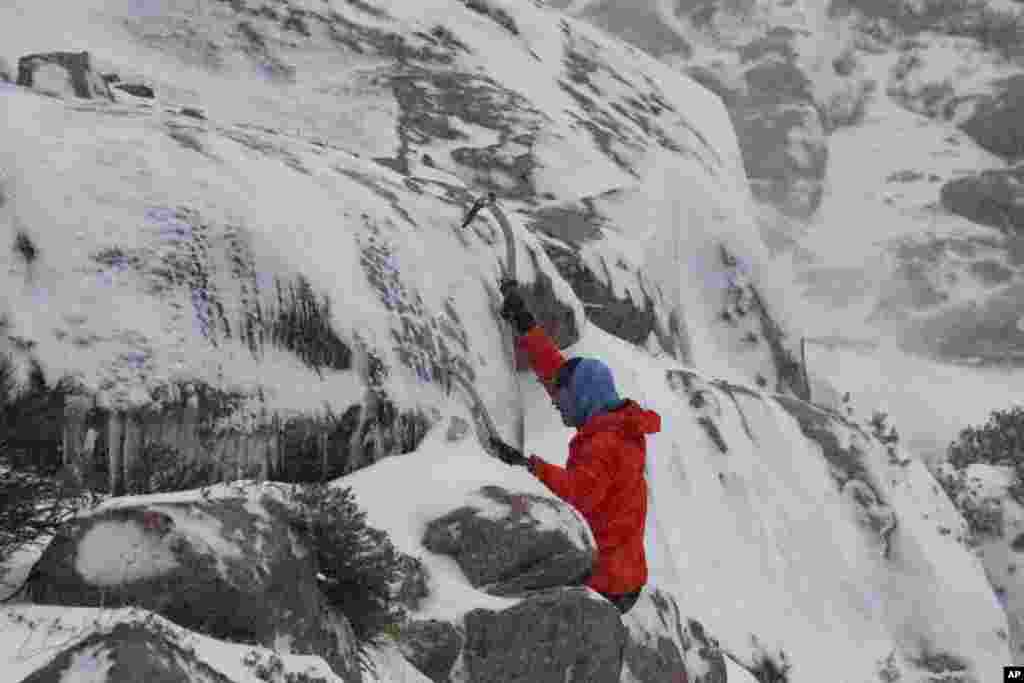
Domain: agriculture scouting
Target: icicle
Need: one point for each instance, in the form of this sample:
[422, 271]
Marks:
[132, 451]
[323, 454]
[115, 433]
[75, 409]
[189, 444]
[276, 446]
[265, 454]
[241, 456]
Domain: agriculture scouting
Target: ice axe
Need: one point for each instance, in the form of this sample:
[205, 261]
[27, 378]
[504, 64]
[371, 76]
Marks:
[490, 200]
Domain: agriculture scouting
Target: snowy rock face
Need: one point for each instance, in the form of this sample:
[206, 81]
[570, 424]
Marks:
[982, 93]
[306, 264]
[514, 542]
[60, 73]
[128, 653]
[660, 647]
[994, 198]
[517, 643]
[226, 568]
[617, 296]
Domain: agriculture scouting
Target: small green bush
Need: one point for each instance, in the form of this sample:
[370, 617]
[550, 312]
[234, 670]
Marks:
[358, 563]
[1000, 441]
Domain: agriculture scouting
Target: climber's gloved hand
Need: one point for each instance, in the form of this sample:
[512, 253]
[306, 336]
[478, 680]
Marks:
[507, 454]
[513, 307]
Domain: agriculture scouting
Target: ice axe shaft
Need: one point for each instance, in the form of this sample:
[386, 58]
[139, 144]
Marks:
[490, 200]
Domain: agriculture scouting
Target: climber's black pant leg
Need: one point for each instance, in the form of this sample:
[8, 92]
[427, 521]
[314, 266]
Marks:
[624, 602]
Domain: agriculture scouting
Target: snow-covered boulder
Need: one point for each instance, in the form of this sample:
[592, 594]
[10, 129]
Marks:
[993, 197]
[661, 648]
[228, 567]
[46, 644]
[127, 653]
[508, 543]
[63, 74]
[997, 123]
[562, 635]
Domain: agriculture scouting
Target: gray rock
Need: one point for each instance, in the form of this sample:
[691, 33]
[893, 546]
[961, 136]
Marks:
[513, 553]
[993, 197]
[432, 647]
[136, 652]
[998, 122]
[6, 74]
[785, 152]
[80, 79]
[558, 636]
[215, 567]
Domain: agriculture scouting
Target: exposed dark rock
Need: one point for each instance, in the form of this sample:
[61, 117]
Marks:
[6, 73]
[997, 124]
[500, 16]
[136, 89]
[25, 247]
[512, 555]
[557, 636]
[193, 113]
[993, 197]
[252, 585]
[82, 81]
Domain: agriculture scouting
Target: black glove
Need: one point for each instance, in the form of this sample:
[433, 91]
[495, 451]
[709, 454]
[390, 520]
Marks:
[507, 454]
[513, 308]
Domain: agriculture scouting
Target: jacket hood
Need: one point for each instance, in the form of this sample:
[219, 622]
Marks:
[630, 418]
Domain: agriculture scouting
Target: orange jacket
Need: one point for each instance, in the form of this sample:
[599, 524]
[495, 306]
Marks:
[603, 477]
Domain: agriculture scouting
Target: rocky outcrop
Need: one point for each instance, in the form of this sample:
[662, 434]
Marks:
[63, 73]
[130, 653]
[559, 636]
[230, 568]
[432, 647]
[993, 197]
[508, 543]
[997, 123]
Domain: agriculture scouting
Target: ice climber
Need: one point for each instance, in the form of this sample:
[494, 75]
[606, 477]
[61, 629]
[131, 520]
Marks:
[604, 475]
